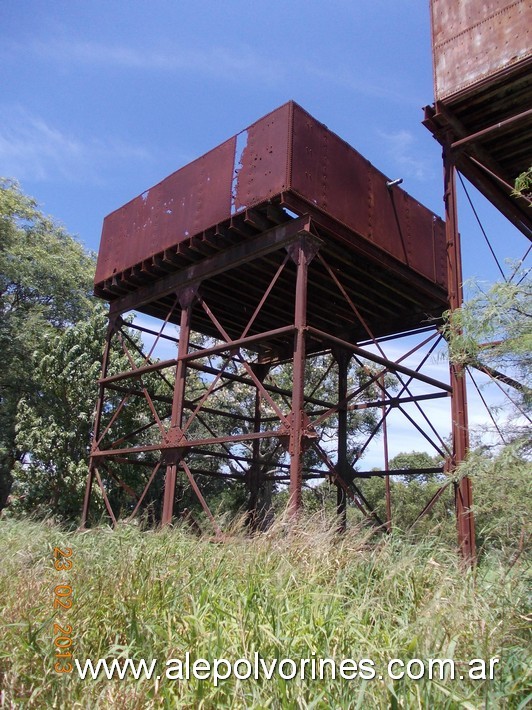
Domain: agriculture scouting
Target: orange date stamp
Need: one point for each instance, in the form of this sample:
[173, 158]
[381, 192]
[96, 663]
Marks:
[62, 602]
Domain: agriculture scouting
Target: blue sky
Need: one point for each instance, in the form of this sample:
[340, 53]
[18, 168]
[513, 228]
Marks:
[100, 100]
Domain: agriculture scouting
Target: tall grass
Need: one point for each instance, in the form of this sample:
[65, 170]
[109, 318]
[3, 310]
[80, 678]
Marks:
[290, 593]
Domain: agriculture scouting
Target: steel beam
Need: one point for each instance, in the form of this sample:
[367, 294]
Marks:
[111, 325]
[255, 477]
[266, 243]
[388, 364]
[302, 253]
[460, 428]
[187, 298]
[342, 357]
[498, 127]
[388, 491]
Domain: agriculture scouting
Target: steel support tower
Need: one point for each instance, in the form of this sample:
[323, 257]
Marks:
[280, 246]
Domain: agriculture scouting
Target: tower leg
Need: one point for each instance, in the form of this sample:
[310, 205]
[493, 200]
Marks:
[460, 430]
[97, 423]
[386, 460]
[186, 301]
[302, 253]
[342, 358]
[255, 480]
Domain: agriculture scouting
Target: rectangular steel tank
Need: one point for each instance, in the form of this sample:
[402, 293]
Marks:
[285, 153]
[475, 41]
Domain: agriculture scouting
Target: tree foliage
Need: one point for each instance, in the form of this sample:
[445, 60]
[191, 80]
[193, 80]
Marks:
[494, 329]
[45, 285]
[501, 495]
[408, 499]
[523, 184]
[54, 421]
[51, 336]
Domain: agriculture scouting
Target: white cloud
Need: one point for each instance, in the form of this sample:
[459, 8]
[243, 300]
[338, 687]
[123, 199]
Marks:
[401, 148]
[236, 64]
[359, 83]
[32, 149]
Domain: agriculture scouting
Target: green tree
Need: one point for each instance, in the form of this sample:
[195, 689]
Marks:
[52, 334]
[416, 460]
[45, 285]
[493, 330]
[411, 492]
[501, 498]
[237, 398]
[54, 421]
[523, 184]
